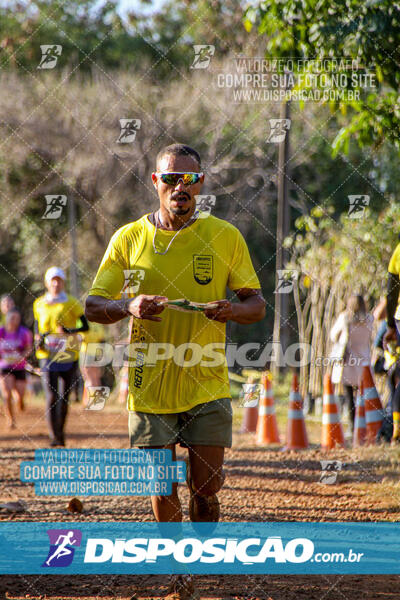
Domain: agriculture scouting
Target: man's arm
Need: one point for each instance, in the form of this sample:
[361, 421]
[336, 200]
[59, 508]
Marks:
[250, 309]
[102, 310]
[83, 327]
[392, 295]
[38, 338]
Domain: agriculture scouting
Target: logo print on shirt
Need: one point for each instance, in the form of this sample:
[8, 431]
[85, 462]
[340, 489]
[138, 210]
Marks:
[203, 268]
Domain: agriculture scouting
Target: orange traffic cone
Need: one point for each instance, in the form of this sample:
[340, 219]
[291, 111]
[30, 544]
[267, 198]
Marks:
[267, 427]
[250, 410]
[373, 407]
[359, 421]
[332, 432]
[296, 436]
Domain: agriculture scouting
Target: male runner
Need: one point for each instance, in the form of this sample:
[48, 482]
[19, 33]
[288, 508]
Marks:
[177, 396]
[393, 328]
[56, 315]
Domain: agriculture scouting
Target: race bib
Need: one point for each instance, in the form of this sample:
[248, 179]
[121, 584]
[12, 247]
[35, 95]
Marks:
[54, 343]
[11, 358]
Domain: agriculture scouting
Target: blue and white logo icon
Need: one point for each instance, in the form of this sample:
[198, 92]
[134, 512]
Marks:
[62, 547]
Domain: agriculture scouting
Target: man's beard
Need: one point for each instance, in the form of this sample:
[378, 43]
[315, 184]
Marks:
[180, 210]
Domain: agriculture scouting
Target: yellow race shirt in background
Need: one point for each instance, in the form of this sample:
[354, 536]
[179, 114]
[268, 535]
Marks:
[49, 316]
[96, 334]
[203, 260]
[394, 268]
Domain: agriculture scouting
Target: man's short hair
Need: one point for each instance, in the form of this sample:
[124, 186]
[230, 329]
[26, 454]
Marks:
[179, 150]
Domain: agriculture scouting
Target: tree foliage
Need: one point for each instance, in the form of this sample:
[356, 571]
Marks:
[335, 260]
[366, 31]
[94, 37]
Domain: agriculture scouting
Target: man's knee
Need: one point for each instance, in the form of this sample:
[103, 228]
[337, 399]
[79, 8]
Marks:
[164, 500]
[208, 482]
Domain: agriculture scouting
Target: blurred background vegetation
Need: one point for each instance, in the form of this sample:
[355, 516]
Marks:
[59, 131]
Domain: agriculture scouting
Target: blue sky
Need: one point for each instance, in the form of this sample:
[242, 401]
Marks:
[125, 5]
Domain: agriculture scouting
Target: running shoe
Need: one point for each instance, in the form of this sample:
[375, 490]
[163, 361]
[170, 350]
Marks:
[182, 587]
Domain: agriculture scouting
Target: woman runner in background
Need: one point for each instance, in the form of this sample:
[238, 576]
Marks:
[15, 346]
[352, 331]
[6, 304]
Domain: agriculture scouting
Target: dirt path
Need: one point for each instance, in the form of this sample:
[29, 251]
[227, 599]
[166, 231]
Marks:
[229, 587]
[261, 485]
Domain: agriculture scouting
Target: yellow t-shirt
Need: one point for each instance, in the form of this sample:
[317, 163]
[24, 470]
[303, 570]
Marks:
[96, 333]
[394, 268]
[202, 261]
[49, 316]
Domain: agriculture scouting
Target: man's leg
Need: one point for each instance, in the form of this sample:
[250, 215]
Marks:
[77, 383]
[206, 477]
[50, 385]
[91, 378]
[150, 431]
[68, 378]
[167, 508]
[206, 430]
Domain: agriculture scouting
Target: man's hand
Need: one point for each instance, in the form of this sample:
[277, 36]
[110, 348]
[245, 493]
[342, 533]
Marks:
[146, 307]
[222, 313]
[250, 309]
[39, 341]
[390, 336]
